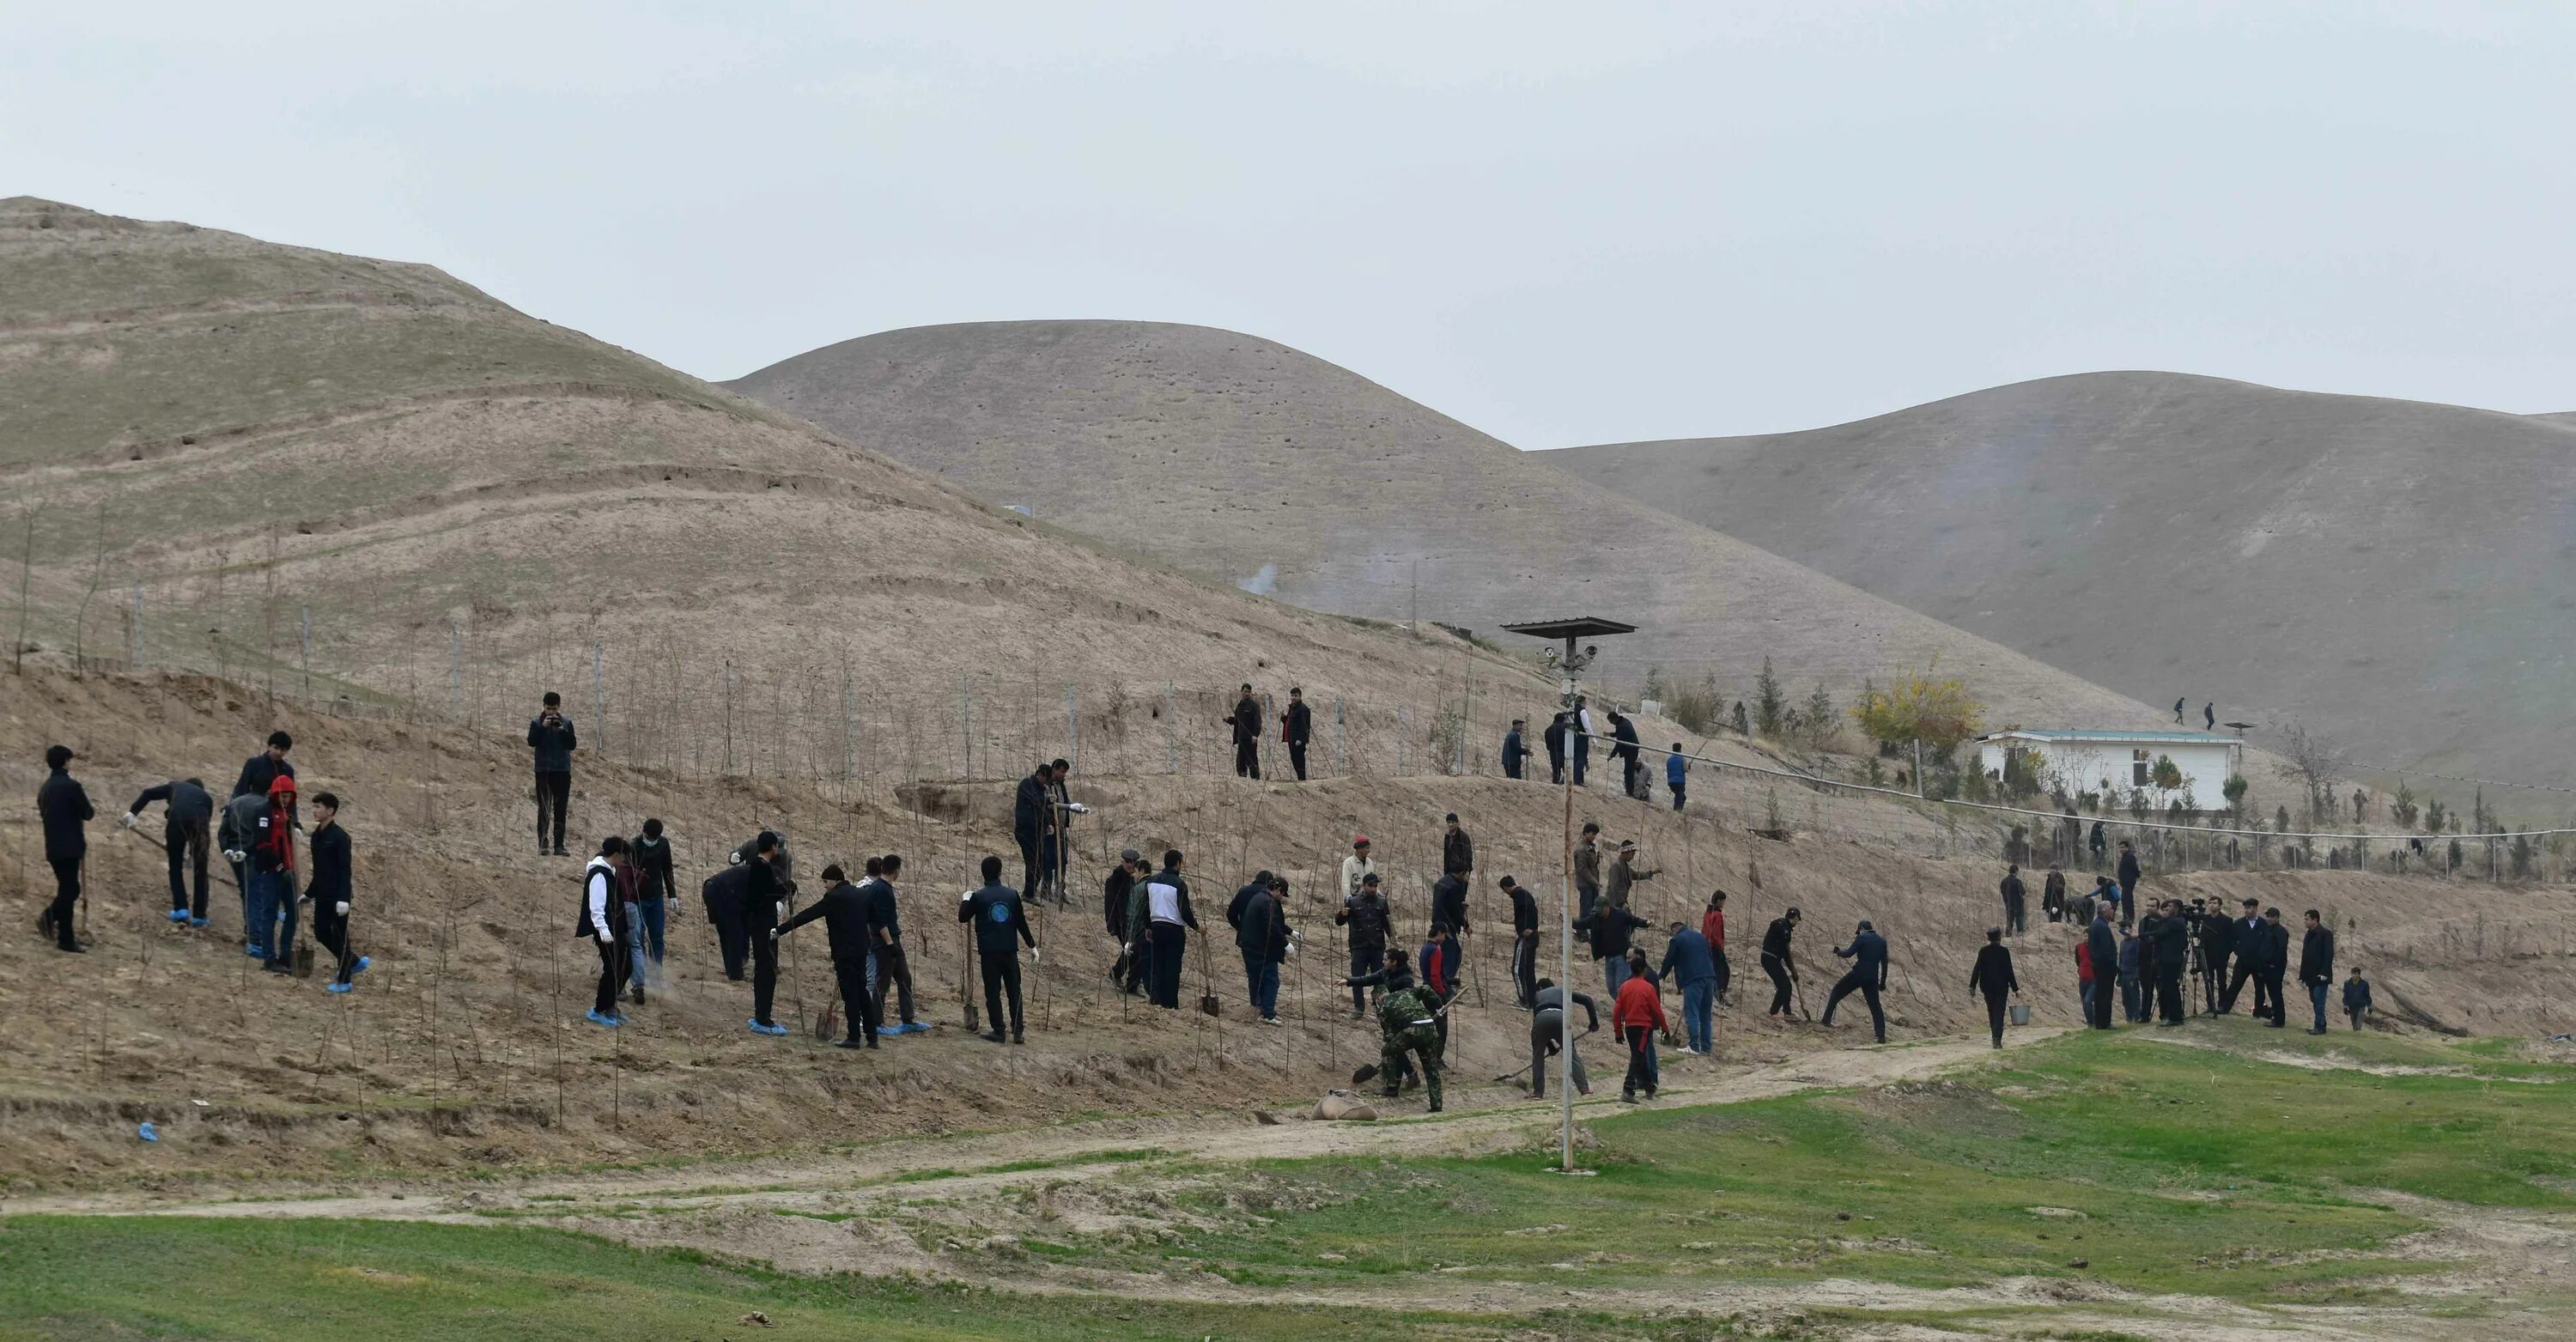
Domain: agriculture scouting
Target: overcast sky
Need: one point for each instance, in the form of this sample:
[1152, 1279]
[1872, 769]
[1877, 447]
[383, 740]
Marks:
[1560, 223]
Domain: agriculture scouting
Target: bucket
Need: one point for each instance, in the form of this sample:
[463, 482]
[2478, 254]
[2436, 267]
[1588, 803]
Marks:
[2018, 1013]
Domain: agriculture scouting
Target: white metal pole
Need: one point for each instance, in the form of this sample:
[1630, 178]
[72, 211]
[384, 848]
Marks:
[1565, 953]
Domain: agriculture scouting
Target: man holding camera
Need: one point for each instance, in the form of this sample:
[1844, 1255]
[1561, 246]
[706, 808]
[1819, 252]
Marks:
[550, 735]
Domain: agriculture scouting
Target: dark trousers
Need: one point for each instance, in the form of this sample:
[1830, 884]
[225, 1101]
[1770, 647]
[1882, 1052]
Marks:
[1995, 1003]
[2133, 1000]
[1511, 766]
[1642, 1074]
[2016, 916]
[1261, 982]
[1169, 942]
[893, 971]
[1547, 1035]
[1365, 960]
[2317, 1003]
[187, 845]
[612, 966]
[1628, 770]
[733, 940]
[1867, 985]
[2169, 993]
[67, 890]
[1582, 758]
[2244, 971]
[2271, 982]
[1779, 983]
[764, 975]
[1556, 768]
[554, 794]
[1677, 798]
[1525, 970]
[652, 911]
[2213, 980]
[1725, 971]
[1297, 759]
[1247, 759]
[2097, 1006]
[331, 928]
[860, 1005]
[1035, 864]
[1139, 958]
[1001, 977]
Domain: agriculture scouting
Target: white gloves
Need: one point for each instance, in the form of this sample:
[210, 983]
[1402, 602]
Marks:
[125, 821]
[341, 908]
[606, 938]
[1077, 808]
[236, 855]
[1037, 955]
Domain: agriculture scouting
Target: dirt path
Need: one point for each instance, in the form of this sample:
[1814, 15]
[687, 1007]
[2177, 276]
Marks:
[1483, 1118]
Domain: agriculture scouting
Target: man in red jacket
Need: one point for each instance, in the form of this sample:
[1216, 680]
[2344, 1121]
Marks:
[1638, 1014]
[1712, 925]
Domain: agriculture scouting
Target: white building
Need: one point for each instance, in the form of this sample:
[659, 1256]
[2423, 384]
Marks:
[2114, 763]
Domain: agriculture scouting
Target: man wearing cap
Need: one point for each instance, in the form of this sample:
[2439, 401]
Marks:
[1868, 954]
[1513, 751]
[1356, 866]
[1365, 914]
[63, 804]
[1624, 874]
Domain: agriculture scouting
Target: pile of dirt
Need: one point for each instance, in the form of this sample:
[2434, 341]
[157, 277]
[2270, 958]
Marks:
[463, 1046]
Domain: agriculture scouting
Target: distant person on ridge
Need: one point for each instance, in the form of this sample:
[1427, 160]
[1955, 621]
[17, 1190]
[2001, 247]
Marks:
[1554, 739]
[2178, 704]
[2052, 895]
[1623, 733]
[1513, 751]
[2209, 716]
[1296, 728]
[550, 735]
[2128, 884]
[2016, 919]
[1246, 719]
[1676, 774]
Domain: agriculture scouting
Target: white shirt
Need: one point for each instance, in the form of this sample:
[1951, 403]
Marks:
[1162, 901]
[1354, 869]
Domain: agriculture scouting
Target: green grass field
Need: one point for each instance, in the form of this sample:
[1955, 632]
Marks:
[2165, 1169]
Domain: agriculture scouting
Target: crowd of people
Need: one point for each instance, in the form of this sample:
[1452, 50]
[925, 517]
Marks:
[269, 841]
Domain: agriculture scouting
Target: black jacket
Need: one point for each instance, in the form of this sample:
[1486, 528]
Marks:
[2276, 947]
[652, 857]
[1237, 907]
[727, 894]
[844, 911]
[2129, 869]
[1367, 919]
[1028, 809]
[1113, 899]
[1775, 940]
[64, 805]
[1524, 910]
[885, 921]
[2013, 891]
[1247, 721]
[1001, 926]
[2105, 947]
[2316, 956]
[190, 806]
[1554, 737]
[1868, 954]
[553, 744]
[1301, 722]
[2217, 935]
[1261, 925]
[2168, 938]
[258, 772]
[1612, 929]
[1993, 975]
[328, 852]
[1513, 751]
[1457, 853]
[1449, 901]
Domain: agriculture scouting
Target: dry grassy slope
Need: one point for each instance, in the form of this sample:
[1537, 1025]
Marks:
[422, 454]
[1234, 456]
[472, 1005]
[2395, 574]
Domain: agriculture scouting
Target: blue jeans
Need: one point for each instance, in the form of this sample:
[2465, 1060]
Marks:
[1697, 999]
[2317, 999]
[272, 904]
[1614, 971]
[652, 926]
[1261, 979]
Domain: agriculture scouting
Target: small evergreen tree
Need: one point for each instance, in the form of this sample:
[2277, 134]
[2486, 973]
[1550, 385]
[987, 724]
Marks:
[1820, 719]
[1771, 707]
[2435, 818]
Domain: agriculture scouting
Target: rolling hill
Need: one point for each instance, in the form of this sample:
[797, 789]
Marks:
[1235, 456]
[220, 444]
[2393, 574]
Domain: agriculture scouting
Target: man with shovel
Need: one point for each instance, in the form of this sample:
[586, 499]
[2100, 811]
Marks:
[189, 811]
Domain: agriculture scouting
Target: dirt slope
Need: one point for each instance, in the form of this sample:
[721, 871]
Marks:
[1234, 456]
[463, 1047]
[2393, 573]
[233, 437]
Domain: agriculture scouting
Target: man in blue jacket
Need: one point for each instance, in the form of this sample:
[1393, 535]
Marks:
[1690, 962]
[1868, 954]
[550, 735]
[1676, 774]
[1513, 751]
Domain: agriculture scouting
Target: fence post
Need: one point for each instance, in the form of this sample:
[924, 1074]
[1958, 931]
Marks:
[1341, 762]
[1171, 731]
[455, 671]
[598, 699]
[138, 626]
[306, 618]
[966, 724]
[1072, 726]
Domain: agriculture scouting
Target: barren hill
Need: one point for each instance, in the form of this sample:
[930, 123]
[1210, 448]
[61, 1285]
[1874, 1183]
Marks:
[2395, 574]
[221, 443]
[1235, 456]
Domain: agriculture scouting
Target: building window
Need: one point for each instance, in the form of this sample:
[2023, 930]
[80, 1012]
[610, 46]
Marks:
[2139, 768]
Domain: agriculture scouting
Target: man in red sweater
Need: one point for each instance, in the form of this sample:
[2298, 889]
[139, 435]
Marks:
[1638, 1014]
[1712, 925]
